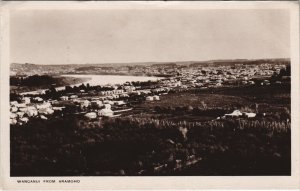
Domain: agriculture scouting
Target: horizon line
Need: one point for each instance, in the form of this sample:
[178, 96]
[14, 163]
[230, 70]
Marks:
[157, 62]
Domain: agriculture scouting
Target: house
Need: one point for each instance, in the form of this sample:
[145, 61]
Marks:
[85, 103]
[14, 103]
[58, 108]
[96, 103]
[14, 109]
[44, 105]
[73, 96]
[64, 98]
[46, 111]
[91, 115]
[13, 121]
[20, 114]
[108, 102]
[235, 113]
[41, 91]
[249, 115]
[149, 98]
[106, 112]
[13, 115]
[38, 99]
[110, 97]
[120, 103]
[76, 100]
[32, 112]
[107, 106]
[26, 100]
[43, 117]
[178, 83]
[23, 109]
[124, 95]
[24, 119]
[156, 97]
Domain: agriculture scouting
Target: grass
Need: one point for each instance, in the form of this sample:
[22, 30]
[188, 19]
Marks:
[273, 100]
[130, 145]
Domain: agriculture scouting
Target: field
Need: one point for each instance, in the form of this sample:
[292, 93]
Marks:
[195, 105]
[178, 135]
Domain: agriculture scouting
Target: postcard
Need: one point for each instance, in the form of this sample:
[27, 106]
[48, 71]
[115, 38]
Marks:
[150, 95]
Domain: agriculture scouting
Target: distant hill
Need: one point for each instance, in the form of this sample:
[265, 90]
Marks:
[126, 68]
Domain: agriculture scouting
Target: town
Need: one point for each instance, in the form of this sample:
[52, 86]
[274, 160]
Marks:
[174, 125]
[99, 101]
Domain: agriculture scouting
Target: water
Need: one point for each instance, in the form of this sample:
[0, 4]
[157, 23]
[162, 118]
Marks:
[112, 79]
[102, 80]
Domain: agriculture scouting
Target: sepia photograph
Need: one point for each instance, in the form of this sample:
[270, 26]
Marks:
[159, 91]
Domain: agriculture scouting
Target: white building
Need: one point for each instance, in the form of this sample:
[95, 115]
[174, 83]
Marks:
[24, 120]
[43, 117]
[46, 111]
[250, 115]
[91, 115]
[235, 113]
[156, 97]
[120, 102]
[108, 102]
[44, 105]
[20, 114]
[97, 103]
[107, 106]
[73, 96]
[13, 121]
[13, 109]
[26, 100]
[64, 98]
[14, 103]
[85, 103]
[106, 112]
[149, 98]
[39, 99]
[13, 115]
[32, 112]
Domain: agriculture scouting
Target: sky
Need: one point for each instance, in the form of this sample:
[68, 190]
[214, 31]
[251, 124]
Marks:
[124, 36]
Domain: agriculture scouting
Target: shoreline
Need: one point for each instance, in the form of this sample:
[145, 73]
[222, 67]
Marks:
[80, 79]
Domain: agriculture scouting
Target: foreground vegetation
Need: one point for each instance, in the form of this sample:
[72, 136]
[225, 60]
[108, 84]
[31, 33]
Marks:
[133, 146]
[37, 82]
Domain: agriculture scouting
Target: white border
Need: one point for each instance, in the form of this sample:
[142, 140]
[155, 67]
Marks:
[183, 182]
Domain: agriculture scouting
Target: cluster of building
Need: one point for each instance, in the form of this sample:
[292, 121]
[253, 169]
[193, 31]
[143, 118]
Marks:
[216, 76]
[100, 103]
[36, 107]
[20, 113]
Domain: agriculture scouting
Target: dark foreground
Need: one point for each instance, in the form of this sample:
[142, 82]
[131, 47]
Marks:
[150, 147]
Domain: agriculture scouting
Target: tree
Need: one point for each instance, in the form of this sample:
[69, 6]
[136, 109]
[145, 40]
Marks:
[53, 90]
[68, 89]
[82, 86]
